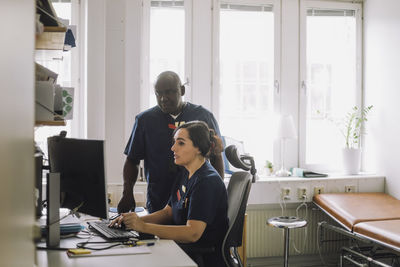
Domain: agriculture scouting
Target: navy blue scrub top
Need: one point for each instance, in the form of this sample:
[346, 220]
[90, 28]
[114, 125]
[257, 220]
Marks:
[203, 197]
[151, 140]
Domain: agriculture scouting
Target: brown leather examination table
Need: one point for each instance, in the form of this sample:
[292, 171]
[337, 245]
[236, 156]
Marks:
[373, 218]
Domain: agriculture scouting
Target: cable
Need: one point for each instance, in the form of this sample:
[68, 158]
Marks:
[283, 207]
[112, 244]
[72, 212]
[299, 251]
[319, 246]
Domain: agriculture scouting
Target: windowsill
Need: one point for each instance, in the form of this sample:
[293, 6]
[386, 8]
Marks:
[267, 189]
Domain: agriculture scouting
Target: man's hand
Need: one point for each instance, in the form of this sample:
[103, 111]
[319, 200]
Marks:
[127, 203]
[130, 174]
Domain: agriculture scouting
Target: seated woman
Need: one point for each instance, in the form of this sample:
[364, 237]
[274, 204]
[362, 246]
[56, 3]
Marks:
[197, 209]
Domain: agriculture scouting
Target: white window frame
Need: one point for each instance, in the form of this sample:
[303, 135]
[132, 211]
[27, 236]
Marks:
[277, 54]
[146, 88]
[304, 5]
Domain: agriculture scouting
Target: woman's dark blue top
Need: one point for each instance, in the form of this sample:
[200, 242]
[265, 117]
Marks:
[203, 197]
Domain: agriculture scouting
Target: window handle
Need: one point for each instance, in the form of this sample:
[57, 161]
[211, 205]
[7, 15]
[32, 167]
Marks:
[304, 87]
[276, 86]
[186, 82]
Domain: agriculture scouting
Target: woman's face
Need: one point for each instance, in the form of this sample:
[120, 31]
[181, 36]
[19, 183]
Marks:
[184, 151]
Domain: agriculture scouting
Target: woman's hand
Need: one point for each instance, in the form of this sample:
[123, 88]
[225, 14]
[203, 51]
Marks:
[132, 221]
[117, 222]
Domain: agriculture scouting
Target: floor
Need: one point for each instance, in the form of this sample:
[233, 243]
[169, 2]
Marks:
[295, 261]
[308, 261]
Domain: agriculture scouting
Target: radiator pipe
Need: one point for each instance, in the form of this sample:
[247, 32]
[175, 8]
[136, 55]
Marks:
[354, 261]
[369, 259]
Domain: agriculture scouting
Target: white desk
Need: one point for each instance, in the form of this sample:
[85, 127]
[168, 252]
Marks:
[163, 253]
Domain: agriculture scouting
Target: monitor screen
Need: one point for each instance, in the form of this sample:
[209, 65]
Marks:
[80, 163]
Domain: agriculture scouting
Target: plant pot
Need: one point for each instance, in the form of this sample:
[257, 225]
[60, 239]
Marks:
[351, 160]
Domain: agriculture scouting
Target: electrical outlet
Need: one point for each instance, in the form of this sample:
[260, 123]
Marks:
[110, 199]
[302, 193]
[318, 190]
[285, 193]
[350, 189]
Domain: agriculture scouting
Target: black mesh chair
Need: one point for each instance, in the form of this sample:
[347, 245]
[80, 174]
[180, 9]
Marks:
[238, 193]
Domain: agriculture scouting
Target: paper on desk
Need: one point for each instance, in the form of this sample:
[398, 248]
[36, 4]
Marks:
[114, 251]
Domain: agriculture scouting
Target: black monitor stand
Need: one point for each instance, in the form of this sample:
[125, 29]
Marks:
[53, 210]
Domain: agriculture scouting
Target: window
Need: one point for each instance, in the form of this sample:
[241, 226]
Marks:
[330, 73]
[246, 76]
[167, 40]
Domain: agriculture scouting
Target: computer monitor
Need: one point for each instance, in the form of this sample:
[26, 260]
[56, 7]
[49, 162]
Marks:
[38, 183]
[81, 165]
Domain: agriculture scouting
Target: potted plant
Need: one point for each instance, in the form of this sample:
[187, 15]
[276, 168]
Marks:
[270, 167]
[351, 129]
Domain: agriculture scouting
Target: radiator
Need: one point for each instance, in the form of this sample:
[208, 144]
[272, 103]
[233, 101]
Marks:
[267, 241]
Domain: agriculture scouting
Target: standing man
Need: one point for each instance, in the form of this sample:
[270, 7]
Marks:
[151, 141]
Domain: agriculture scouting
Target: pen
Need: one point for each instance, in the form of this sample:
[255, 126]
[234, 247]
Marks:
[139, 243]
[115, 216]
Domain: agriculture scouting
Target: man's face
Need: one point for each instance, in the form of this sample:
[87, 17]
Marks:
[169, 97]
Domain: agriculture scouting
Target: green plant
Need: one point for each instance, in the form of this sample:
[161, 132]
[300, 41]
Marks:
[269, 165]
[352, 123]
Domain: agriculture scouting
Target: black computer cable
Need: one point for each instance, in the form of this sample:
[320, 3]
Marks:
[89, 244]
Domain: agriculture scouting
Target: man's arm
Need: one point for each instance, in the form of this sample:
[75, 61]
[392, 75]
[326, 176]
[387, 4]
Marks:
[130, 173]
[218, 163]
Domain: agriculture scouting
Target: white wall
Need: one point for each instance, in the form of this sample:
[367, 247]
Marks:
[382, 89]
[16, 132]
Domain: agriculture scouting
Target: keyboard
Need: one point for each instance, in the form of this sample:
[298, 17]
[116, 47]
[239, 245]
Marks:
[112, 233]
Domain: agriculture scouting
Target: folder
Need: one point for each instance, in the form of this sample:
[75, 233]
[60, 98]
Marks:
[306, 174]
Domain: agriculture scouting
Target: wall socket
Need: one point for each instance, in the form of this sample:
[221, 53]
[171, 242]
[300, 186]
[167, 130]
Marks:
[110, 199]
[350, 189]
[301, 193]
[318, 190]
[285, 193]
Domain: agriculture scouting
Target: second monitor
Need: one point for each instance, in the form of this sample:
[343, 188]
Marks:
[81, 165]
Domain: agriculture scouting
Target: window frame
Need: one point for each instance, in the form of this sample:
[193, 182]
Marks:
[304, 5]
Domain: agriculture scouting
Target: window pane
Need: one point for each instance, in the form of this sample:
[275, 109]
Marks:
[331, 81]
[167, 40]
[247, 78]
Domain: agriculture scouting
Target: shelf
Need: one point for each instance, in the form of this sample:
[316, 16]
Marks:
[51, 39]
[50, 123]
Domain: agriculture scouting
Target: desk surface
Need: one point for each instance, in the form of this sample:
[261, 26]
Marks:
[163, 253]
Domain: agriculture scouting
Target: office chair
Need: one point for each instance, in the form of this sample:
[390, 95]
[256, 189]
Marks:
[238, 194]
[244, 162]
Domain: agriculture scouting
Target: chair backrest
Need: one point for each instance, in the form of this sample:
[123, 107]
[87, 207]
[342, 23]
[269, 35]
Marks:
[238, 194]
